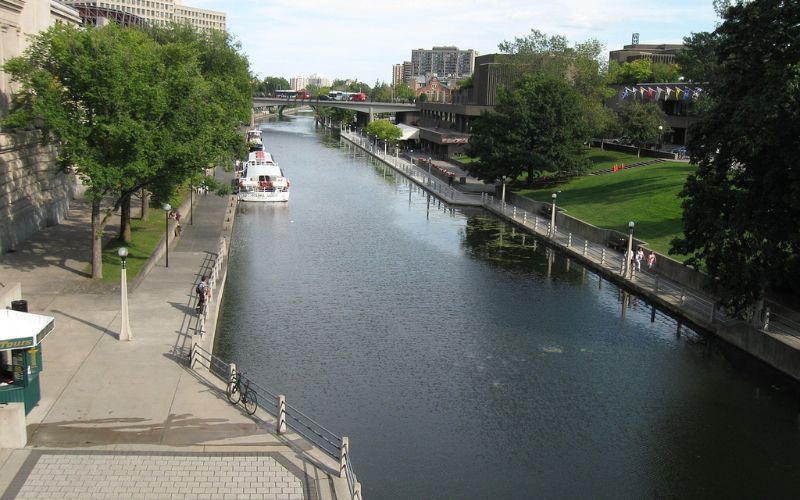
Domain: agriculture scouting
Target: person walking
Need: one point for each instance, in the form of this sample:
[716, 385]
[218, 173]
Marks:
[639, 259]
[203, 294]
[651, 260]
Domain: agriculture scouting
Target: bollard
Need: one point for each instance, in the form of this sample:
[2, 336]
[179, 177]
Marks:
[602, 256]
[193, 354]
[585, 247]
[569, 240]
[281, 424]
[344, 456]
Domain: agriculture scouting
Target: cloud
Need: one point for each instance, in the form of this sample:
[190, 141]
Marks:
[363, 39]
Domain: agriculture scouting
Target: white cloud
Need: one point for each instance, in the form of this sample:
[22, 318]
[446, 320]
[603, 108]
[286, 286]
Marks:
[362, 38]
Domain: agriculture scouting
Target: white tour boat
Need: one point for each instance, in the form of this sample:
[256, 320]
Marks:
[263, 179]
[254, 140]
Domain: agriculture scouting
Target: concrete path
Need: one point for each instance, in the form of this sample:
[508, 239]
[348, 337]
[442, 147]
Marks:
[130, 419]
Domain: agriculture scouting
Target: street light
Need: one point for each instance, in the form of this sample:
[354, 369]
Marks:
[167, 207]
[553, 216]
[503, 196]
[430, 164]
[125, 329]
[191, 204]
[660, 135]
[629, 255]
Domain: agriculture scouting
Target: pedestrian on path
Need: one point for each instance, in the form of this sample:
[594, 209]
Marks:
[651, 260]
[203, 294]
[639, 258]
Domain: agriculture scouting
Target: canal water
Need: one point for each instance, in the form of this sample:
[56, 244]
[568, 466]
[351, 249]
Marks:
[466, 360]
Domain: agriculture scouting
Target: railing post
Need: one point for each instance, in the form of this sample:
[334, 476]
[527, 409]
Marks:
[535, 224]
[569, 240]
[514, 213]
[602, 256]
[281, 424]
[344, 456]
[766, 319]
[231, 371]
[193, 354]
[683, 295]
[713, 314]
[622, 266]
[357, 491]
[525, 218]
[585, 247]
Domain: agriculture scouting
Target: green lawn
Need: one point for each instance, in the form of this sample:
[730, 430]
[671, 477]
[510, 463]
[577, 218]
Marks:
[603, 158]
[645, 195]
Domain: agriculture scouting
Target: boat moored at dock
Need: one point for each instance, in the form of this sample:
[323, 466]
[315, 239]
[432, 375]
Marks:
[263, 180]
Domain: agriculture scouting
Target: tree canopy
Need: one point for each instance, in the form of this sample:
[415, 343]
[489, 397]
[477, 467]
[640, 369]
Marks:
[641, 122]
[536, 127]
[641, 71]
[384, 130]
[741, 210]
[132, 109]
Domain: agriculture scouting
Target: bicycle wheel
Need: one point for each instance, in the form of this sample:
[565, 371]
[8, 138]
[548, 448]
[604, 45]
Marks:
[250, 402]
[234, 394]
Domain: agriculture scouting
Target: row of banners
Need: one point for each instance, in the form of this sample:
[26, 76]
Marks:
[654, 94]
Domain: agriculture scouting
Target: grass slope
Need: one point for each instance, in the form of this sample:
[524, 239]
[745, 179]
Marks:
[647, 195]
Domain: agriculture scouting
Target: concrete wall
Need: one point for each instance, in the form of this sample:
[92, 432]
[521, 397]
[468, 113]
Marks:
[34, 193]
[644, 153]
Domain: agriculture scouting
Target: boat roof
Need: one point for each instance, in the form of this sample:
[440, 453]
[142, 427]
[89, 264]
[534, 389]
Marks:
[260, 157]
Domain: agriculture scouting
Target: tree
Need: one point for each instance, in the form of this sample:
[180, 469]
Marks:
[534, 128]
[697, 60]
[403, 92]
[641, 123]
[384, 130]
[580, 65]
[130, 111]
[741, 209]
[273, 83]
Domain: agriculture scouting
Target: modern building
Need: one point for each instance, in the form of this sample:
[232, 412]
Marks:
[318, 80]
[161, 12]
[661, 53]
[677, 100]
[298, 82]
[442, 61]
[397, 74]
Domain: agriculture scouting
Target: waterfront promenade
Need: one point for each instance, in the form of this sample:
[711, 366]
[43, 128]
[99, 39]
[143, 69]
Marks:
[122, 419]
[774, 339]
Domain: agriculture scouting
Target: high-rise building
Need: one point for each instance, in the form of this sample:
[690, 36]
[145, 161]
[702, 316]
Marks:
[397, 74]
[318, 81]
[408, 77]
[161, 12]
[298, 82]
[443, 62]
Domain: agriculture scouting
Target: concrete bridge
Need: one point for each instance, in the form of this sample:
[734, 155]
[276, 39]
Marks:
[368, 108]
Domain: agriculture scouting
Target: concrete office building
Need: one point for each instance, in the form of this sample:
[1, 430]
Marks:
[162, 12]
[298, 83]
[397, 74]
[661, 53]
[442, 62]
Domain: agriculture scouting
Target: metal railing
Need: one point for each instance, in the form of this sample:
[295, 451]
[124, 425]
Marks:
[286, 415]
[698, 303]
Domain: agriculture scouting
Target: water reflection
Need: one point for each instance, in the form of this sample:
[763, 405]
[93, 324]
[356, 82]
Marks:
[466, 359]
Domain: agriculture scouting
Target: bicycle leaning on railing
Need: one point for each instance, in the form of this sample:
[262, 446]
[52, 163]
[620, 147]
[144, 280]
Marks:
[237, 392]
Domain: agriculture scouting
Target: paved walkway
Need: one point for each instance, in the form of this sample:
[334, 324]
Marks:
[129, 419]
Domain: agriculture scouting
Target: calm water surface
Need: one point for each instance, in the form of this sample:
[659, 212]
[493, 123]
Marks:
[467, 361]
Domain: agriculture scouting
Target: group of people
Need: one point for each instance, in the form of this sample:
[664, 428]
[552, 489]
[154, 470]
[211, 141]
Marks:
[639, 256]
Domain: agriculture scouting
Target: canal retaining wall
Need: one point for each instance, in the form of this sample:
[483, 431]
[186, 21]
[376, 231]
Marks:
[675, 287]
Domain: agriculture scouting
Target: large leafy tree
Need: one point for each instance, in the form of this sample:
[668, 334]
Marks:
[384, 130]
[641, 123]
[131, 109]
[536, 127]
[742, 206]
[581, 65]
[273, 83]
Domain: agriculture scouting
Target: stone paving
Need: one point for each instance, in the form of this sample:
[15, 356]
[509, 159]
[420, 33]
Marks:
[153, 475]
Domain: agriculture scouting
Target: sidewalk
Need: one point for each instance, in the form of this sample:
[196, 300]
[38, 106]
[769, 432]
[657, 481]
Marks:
[130, 419]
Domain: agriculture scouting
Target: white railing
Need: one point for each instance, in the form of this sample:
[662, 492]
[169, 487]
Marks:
[701, 305]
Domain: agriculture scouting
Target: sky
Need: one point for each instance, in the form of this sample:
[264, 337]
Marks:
[361, 39]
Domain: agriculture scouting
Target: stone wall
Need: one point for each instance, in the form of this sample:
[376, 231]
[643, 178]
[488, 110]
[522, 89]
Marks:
[34, 193]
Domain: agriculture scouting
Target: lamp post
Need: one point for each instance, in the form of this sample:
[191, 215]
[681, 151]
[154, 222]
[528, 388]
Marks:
[553, 216]
[167, 207]
[629, 255]
[503, 195]
[430, 164]
[191, 204]
[660, 135]
[125, 329]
